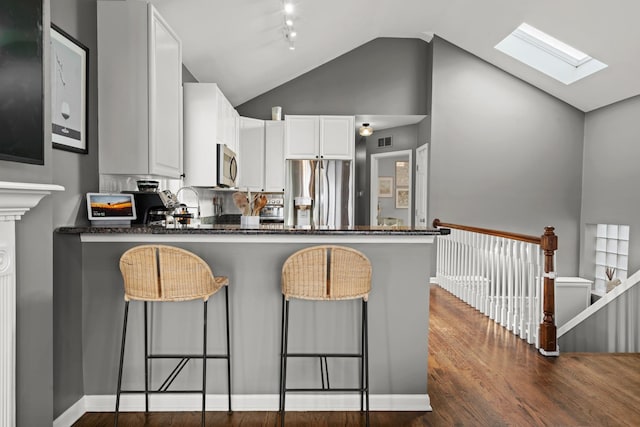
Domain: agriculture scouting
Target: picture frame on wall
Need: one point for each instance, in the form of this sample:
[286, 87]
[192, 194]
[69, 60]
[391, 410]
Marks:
[402, 174]
[69, 92]
[21, 73]
[402, 198]
[385, 186]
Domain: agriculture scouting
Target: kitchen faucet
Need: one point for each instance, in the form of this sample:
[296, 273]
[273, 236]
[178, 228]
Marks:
[194, 192]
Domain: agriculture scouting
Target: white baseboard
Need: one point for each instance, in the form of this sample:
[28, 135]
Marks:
[72, 414]
[243, 402]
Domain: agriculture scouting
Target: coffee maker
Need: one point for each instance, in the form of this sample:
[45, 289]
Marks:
[152, 207]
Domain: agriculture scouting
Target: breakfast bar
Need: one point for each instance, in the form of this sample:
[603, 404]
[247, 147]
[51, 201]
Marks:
[88, 294]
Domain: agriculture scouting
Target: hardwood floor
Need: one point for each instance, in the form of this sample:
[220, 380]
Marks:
[479, 375]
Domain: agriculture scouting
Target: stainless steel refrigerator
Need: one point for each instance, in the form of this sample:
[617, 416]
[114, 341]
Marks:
[329, 184]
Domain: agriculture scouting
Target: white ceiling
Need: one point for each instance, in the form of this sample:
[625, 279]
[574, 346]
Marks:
[239, 44]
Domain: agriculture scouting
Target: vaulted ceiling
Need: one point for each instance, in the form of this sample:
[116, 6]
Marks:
[240, 44]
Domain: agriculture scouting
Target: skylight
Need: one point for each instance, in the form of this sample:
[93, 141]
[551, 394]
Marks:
[549, 55]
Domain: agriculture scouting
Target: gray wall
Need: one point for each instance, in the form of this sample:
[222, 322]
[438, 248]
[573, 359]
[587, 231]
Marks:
[504, 155]
[78, 173]
[611, 175]
[384, 76]
[34, 269]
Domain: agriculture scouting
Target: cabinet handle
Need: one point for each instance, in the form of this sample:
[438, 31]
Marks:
[322, 157]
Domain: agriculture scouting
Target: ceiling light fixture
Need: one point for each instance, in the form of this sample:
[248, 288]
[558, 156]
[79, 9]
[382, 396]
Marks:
[366, 130]
[289, 33]
[288, 7]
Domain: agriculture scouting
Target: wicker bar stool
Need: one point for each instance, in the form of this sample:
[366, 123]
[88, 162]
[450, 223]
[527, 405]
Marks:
[326, 273]
[159, 273]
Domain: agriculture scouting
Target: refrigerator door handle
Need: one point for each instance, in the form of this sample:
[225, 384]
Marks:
[324, 196]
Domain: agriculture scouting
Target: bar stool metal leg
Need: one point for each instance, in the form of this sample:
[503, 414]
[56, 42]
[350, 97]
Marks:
[362, 358]
[281, 356]
[366, 354]
[146, 361]
[283, 386]
[124, 337]
[226, 297]
[204, 363]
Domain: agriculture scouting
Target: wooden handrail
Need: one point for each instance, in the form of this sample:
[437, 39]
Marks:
[548, 243]
[515, 236]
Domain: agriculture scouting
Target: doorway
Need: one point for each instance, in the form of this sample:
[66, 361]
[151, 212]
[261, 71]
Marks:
[391, 188]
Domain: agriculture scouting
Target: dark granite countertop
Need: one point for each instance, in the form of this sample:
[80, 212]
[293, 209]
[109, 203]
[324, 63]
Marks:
[266, 229]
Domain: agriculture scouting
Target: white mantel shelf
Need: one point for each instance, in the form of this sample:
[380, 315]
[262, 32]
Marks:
[16, 199]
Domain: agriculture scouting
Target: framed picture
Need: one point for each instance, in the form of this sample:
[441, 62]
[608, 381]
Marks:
[402, 198]
[69, 88]
[402, 174]
[385, 186]
[21, 93]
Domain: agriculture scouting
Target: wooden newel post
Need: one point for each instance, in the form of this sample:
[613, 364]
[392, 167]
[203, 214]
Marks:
[547, 332]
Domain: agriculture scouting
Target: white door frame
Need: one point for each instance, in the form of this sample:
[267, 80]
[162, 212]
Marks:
[373, 206]
[424, 187]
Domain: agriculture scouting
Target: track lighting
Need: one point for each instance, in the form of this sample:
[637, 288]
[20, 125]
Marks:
[289, 32]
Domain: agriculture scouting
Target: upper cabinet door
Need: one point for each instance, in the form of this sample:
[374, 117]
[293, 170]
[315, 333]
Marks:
[302, 137]
[337, 137]
[274, 156]
[140, 87]
[165, 98]
[251, 154]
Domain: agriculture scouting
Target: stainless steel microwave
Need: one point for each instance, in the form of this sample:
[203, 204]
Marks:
[227, 166]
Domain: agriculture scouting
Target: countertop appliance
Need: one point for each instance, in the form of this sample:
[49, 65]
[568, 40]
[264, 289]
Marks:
[273, 211]
[227, 166]
[153, 206]
[329, 186]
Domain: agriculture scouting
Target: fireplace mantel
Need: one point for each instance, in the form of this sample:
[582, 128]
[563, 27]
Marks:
[16, 199]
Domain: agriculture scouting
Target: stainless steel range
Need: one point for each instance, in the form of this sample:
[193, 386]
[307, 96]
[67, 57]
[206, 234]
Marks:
[274, 209]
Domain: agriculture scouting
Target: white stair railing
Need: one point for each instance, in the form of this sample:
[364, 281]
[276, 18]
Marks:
[501, 274]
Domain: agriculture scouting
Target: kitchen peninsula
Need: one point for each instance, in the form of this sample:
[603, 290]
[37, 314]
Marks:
[89, 287]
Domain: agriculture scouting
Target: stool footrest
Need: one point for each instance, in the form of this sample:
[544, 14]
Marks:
[186, 356]
[303, 390]
[324, 355]
[199, 391]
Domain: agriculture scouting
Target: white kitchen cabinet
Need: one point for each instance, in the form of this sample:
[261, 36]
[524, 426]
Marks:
[274, 156]
[302, 137]
[140, 91]
[261, 155]
[209, 119]
[251, 154]
[337, 137]
[326, 137]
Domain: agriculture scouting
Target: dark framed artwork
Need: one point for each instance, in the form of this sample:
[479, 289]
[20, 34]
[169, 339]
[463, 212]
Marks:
[69, 88]
[21, 92]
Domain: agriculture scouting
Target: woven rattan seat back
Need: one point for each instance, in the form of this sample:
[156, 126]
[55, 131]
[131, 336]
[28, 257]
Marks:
[166, 273]
[326, 273]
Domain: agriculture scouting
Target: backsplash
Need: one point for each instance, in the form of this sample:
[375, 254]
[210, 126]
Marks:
[119, 183]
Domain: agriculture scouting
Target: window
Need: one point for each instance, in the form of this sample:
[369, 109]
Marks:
[549, 55]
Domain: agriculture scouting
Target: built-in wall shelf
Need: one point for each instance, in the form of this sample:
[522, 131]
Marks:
[608, 247]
